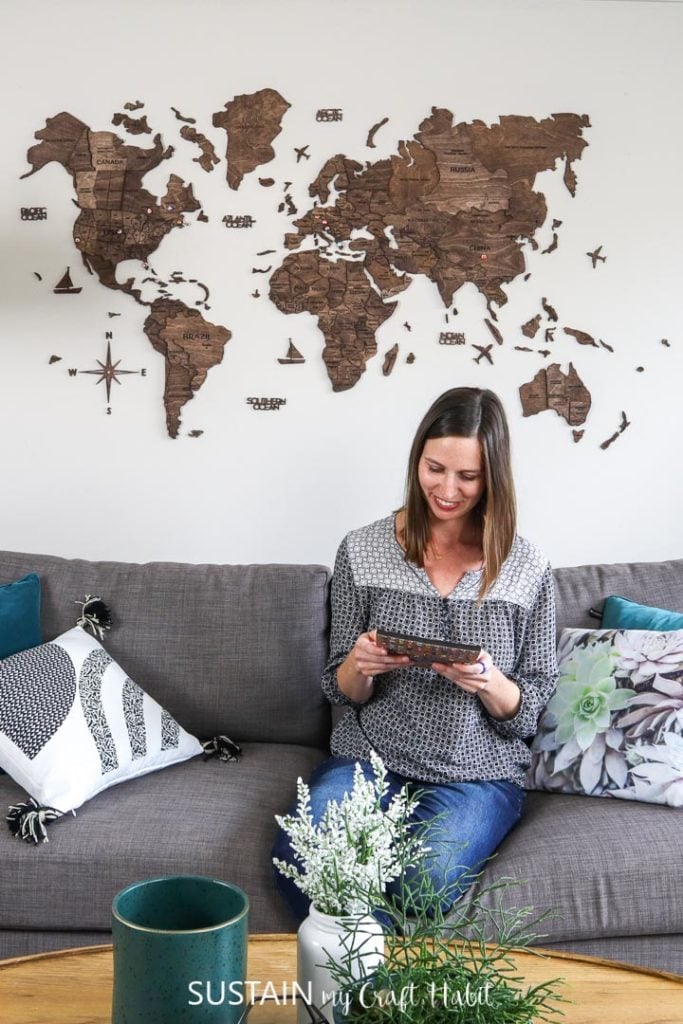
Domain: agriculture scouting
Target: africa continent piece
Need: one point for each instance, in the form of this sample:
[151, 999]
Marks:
[348, 308]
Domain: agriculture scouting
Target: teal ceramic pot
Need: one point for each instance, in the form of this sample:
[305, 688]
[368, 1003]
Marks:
[180, 951]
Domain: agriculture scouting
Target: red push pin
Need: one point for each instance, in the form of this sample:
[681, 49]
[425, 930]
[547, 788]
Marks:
[484, 257]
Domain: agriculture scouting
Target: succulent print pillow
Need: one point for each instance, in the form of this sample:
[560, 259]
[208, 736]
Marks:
[614, 726]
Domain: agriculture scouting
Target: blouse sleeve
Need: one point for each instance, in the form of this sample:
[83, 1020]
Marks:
[349, 620]
[535, 671]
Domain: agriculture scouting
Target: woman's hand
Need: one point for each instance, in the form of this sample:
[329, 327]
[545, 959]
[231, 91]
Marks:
[498, 694]
[365, 660]
[369, 659]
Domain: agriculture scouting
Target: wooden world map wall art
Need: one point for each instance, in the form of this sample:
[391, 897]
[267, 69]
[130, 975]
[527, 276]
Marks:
[455, 203]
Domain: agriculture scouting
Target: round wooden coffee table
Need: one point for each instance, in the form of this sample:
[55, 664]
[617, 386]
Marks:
[73, 986]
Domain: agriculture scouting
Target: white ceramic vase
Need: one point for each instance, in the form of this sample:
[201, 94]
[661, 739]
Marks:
[323, 937]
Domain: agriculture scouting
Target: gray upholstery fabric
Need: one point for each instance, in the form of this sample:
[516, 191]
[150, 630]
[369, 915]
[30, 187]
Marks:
[28, 943]
[579, 588]
[666, 951]
[199, 817]
[215, 644]
[603, 867]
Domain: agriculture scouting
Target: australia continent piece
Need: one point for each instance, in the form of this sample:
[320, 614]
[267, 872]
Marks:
[252, 121]
[565, 393]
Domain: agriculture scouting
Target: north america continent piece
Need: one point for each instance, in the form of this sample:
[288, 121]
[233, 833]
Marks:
[119, 219]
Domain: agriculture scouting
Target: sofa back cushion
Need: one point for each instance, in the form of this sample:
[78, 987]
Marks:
[582, 587]
[238, 649]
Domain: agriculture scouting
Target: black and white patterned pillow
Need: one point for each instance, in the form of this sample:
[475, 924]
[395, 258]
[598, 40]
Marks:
[72, 723]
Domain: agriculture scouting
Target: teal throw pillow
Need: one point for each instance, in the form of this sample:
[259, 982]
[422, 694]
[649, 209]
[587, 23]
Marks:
[620, 613]
[20, 615]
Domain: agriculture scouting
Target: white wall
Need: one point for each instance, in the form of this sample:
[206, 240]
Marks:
[286, 486]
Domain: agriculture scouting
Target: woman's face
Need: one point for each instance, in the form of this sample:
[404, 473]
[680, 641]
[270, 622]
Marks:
[451, 476]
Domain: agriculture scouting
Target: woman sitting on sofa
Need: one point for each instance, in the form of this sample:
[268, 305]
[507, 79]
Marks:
[449, 566]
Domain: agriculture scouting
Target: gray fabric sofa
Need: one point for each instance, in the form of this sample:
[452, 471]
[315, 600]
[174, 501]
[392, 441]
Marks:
[240, 650]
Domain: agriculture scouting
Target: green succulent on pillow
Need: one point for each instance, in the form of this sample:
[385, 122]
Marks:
[587, 695]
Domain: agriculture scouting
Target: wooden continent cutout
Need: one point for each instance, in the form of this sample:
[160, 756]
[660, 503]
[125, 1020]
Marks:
[252, 121]
[564, 393]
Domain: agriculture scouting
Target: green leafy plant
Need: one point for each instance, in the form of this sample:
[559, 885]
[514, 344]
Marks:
[448, 960]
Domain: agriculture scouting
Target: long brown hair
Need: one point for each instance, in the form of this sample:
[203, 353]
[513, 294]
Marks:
[467, 412]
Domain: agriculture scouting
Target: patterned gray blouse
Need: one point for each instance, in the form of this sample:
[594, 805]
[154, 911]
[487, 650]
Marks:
[423, 726]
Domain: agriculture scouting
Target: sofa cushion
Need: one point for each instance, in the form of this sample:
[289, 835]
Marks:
[582, 587]
[614, 725]
[225, 648]
[620, 613]
[603, 867]
[20, 615]
[200, 817]
[72, 723]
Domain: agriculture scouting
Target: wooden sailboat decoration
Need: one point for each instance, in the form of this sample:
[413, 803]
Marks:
[293, 355]
[66, 286]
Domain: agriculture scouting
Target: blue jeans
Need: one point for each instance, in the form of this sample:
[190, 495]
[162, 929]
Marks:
[474, 818]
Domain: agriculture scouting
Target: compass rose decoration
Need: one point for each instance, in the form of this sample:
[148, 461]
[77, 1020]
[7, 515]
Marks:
[108, 371]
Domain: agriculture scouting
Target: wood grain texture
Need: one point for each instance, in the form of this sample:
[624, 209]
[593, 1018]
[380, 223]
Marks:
[252, 122]
[565, 393]
[456, 204]
[190, 345]
[74, 986]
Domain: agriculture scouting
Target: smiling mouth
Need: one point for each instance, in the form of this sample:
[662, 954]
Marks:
[446, 506]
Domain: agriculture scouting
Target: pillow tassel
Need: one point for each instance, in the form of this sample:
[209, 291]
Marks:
[221, 747]
[29, 821]
[95, 615]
